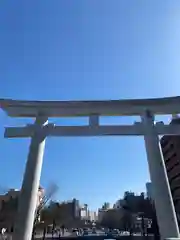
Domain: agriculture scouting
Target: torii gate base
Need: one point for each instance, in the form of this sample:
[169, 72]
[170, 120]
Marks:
[41, 129]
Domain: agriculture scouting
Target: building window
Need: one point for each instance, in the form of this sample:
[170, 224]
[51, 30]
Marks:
[171, 168]
[175, 189]
[174, 177]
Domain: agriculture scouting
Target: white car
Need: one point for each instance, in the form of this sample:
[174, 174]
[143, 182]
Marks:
[115, 232]
[126, 233]
[75, 233]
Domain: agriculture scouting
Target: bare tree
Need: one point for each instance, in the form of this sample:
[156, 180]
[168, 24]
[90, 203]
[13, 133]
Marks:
[52, 189]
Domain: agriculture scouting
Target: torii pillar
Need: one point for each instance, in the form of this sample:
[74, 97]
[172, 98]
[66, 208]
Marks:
[28, 197]
[165, 211]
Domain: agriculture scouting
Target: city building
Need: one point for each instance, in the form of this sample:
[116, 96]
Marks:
[15, 193]
[64, 213]
[11, 194]
[101, 213]
[149, 192]
[84, 212]
[92, 216]
[138, 222]
[111, 216]
[171, 151]
[106, 206]
[70, 208]
[9, 205]
[119, 203]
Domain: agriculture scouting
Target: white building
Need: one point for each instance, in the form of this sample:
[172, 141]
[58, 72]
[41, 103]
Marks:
[92, 216]
[84, 212]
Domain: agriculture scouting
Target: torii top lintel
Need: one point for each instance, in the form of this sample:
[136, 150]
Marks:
[129, 107]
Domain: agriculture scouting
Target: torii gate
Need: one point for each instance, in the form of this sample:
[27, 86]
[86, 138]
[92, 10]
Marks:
[42, 110]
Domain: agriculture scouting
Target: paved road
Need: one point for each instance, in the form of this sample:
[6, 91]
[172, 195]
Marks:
[69, 234]
[66, 234]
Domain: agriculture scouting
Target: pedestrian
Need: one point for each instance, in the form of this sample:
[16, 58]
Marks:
[3, 231]
[59, 233]
[44, 233]
[52, 233]
[63, 229]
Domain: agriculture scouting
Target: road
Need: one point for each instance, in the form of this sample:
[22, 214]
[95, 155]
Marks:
[69, 234]
[66, 234]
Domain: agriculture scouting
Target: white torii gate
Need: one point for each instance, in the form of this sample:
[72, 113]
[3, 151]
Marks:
[42, 110]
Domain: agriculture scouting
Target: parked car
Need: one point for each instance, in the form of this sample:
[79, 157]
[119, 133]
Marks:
[115, 232]
[85, 231]
[94, 231]
[75, 232]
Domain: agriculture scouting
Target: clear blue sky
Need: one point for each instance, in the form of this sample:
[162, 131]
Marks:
[86, 49]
